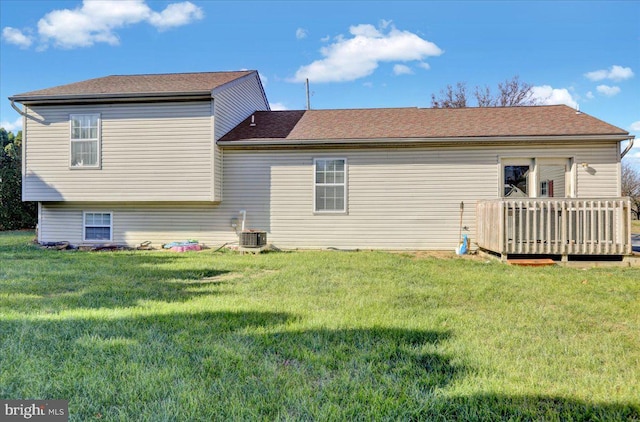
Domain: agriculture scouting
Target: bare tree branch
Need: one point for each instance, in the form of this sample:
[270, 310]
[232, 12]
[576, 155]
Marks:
[511, 93]
[631, 186]
[450, 98]
[484, 97]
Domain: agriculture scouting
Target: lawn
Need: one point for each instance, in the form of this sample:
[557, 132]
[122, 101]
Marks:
[635, 226]
[315, 335]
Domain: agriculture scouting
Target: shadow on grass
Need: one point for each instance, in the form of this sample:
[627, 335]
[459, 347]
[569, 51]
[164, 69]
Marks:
[51, 280]
[490, 407]
[246, 365]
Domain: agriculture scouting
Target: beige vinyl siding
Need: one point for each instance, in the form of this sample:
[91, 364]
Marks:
[134, 223]
[557, 173]
[406, 198]
[149, 152]
[398, 198]
[232, 106]
[602, 176]
[236, 102]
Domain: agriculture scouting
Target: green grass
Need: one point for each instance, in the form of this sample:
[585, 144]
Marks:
[635, 226]
[315, 335]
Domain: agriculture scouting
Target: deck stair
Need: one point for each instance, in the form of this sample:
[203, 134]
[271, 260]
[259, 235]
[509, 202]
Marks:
[531, 262]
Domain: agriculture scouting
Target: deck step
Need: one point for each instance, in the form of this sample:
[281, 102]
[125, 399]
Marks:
[531, 262]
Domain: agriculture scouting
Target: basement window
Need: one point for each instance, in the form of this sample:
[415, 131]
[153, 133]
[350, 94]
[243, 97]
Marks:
[98, 226]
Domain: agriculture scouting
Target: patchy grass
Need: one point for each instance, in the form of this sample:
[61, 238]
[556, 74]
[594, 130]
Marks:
[316, 335]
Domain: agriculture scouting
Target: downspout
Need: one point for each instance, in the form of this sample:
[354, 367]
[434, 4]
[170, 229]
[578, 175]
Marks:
[627, 149]
[244, 217]
[23, 170]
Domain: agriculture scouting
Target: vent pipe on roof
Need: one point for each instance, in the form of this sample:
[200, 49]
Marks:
[308, 98]
[253, 120]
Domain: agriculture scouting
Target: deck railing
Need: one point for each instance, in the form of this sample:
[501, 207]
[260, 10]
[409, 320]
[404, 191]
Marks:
[555, 226]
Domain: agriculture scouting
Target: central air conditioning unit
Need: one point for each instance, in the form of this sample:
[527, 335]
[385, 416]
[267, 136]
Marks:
[253, 239]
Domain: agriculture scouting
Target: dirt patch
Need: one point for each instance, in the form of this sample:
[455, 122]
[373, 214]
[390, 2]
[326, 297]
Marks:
[441, 255]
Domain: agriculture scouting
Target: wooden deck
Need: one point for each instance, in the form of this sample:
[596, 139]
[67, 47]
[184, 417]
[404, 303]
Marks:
[555, 226]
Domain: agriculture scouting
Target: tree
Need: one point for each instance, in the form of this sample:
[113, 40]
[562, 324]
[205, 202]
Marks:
[14, 214]
[511, 93]
[631, 187]
[450, 98]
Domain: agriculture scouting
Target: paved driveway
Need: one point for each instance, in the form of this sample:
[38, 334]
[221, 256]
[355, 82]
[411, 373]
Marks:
[635, 242]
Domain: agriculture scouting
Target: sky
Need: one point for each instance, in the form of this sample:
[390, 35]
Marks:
[356, 54]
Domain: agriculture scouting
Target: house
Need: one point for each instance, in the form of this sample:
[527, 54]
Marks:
[169, 157]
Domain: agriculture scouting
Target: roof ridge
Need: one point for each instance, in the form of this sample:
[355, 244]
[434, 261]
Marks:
[435, 108]
[180, 73]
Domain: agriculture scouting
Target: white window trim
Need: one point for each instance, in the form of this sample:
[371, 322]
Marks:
[98, 141]
[569, 175]
[534, 182]
[345, 184]
[515, 161]
[84, 226]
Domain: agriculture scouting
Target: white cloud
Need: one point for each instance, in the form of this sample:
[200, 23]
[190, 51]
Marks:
[278, 106]
[548, 95]
[607, 90]
[301, 33]
[176, 14]
[348, 59]
[96, 21]
[384, 24]
[401, 69]
[589, 95]
[615, 73]
[325, 38]
[16, 37]
[424, 65]
[14, 126]
[633, 156]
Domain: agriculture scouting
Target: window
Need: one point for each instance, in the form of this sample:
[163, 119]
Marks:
[516, 181]
[85, 140]
[97, 226]
[546, 189]
[543, 177]
[330, 185]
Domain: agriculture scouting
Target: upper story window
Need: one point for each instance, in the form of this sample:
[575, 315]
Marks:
[330, 185]
[85, 140]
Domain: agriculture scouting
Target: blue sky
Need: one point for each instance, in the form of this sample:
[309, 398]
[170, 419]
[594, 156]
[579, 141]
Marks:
[356, 54]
